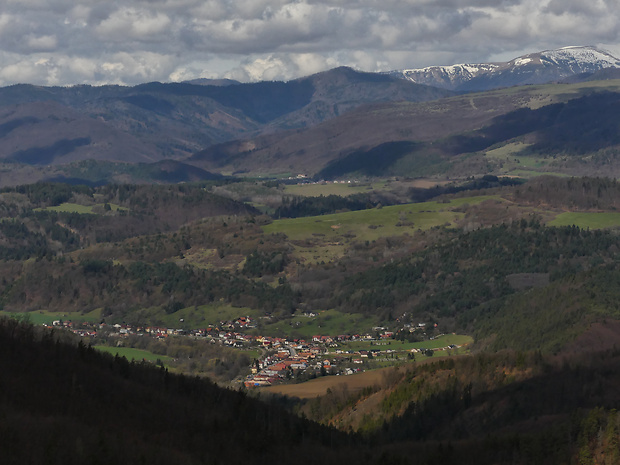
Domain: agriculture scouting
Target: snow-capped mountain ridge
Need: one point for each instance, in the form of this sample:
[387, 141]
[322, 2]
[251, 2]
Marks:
[583, 56]
[533, 68]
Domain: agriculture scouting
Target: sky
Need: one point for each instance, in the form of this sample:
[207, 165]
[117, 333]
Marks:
[127, 42]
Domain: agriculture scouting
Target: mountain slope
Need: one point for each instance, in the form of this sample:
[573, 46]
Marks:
[308, 151]
[533, 68]
[155, 121]
[343, 89]
[419, 139]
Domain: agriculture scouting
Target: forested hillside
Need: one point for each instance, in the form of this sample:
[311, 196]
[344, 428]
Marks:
[85, 406]
[125, 249]
[508, 407]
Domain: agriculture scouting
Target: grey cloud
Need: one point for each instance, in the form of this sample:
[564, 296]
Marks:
[159, 39]
[572, 7]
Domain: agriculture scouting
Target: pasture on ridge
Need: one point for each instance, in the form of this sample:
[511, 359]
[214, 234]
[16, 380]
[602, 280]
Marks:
[584, 220]
[374, 223]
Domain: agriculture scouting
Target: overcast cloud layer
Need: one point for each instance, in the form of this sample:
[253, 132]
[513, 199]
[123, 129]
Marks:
[64, 42]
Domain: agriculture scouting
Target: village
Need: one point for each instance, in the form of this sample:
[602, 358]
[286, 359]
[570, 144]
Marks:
[282, 359]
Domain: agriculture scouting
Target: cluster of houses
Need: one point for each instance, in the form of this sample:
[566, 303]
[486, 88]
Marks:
[304, 179]
[282, 358]
[290, 358]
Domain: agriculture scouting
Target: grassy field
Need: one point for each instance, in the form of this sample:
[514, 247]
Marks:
[592, 220]
[507, 151]
[510, 162]
[71, 208]
[82, 209]
[530, 174]
[133, 354]
[373, 223]
[327, 322]
[41, 317]
[194, 317]
[325, 238]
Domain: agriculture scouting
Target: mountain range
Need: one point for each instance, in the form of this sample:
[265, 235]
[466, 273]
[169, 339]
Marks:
[150, 122]
[533, 68]
[306, 125]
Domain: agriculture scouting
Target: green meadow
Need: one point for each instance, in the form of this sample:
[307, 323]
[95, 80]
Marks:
[68, 207]
[41, 317]
[592, 220]
[510, 160]
[530, 173]
[506, 151]
[133, 354]
[199, 316]
[327, 322]
[373, 223]
[71, 208]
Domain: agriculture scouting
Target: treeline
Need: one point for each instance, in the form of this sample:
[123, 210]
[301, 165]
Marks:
[471, 282]
[258, 263]
[230, 237]
[146, 275]
[488, 181]
[44, 194]
[313, 206]
[121, 289]
[572, 193]
[39, 235]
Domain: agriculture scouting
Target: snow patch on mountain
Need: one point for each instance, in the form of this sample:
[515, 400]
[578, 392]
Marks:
[585, 56]
[534, 68]
[522, 61]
